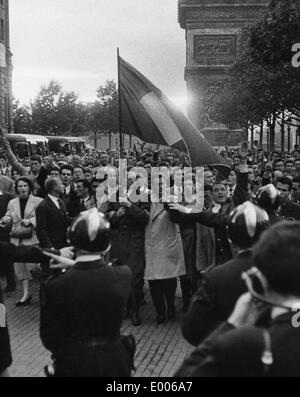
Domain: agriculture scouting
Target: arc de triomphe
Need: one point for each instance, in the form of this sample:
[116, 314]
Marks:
[213, 44]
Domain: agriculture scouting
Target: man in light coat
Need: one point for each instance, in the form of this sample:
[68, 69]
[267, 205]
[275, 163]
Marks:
[164, 260]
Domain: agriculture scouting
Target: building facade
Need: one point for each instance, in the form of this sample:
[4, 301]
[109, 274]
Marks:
[213, 44]
[6, 115]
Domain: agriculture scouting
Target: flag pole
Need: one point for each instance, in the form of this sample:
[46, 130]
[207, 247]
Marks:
[120, 107]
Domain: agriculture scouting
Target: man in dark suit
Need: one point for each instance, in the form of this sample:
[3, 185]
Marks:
[218, 216]
[8, 269]
[239, 348]
[52, 218]
[128, 222]
[82, 310]
[69, 195]
[84, 200]
[288, 210]
[223, 285]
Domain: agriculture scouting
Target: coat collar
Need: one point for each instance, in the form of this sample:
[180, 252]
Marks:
[283, 318]
[30, 207]
[244, 254]
[89, 265]
[52, 204]
[156, 209]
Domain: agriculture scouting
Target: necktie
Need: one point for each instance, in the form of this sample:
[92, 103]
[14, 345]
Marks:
[61, 206]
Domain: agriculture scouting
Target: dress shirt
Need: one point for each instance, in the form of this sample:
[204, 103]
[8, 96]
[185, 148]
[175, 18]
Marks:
[55, 200]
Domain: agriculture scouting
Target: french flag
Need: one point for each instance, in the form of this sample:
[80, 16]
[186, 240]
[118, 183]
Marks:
[148, 114]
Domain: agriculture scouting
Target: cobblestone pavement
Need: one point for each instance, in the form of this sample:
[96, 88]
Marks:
[160, 349]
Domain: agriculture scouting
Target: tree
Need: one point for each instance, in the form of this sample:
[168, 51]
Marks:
[22, 118]
[270, 44]
[54, 111]
[103, 113]
[271, 40]
[263, 85]
[108, 99]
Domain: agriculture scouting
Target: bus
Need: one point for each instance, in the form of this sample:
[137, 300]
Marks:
[66, 144]
[25, 145]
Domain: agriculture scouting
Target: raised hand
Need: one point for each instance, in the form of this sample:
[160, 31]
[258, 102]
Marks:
[178, 207]
[246, 312]
[60, 262]
[67, 252]
[121, 212]
[243, 152]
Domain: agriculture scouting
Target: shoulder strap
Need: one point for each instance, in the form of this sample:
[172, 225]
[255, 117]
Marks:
[267, 356]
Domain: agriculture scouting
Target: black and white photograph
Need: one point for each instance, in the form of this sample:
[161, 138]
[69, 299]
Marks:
[149, 191]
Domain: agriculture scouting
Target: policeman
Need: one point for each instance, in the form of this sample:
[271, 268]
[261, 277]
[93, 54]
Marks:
[268, 198]
[260, 338]
[17, 254]
[82, 310]
[223, 285]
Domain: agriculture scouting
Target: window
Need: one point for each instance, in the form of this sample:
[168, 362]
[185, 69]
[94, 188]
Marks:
[2, 3]
[2, 30]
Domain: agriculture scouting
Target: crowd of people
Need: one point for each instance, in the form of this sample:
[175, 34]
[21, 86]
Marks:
[207, 250]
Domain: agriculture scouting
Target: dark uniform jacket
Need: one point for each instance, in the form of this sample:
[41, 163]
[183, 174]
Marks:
[81, 317]
[13, 254]
[216, 298]
[231, 352]
[5, 353]
[290, 211]
[52, 224]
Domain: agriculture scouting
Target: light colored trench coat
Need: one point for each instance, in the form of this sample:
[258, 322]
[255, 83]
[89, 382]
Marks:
[14, 213]
[163, 246]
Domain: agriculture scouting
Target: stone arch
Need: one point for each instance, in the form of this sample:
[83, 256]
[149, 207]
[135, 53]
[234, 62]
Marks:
[213, 44]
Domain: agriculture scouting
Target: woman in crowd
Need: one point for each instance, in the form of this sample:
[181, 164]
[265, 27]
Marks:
[21, 215]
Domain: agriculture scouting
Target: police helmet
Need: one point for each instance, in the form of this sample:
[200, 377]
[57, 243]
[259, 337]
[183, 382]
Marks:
[90, 232]
[268, 198]
[246, 224]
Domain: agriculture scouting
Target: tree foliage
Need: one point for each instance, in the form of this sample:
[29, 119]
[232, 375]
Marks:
[55, 112]
[22, 118]
[58, 112]
[103, 113]
[263, 84]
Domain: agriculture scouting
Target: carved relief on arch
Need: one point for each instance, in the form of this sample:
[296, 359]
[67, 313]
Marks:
[213, 88]
[226, 13]
[214, 46]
